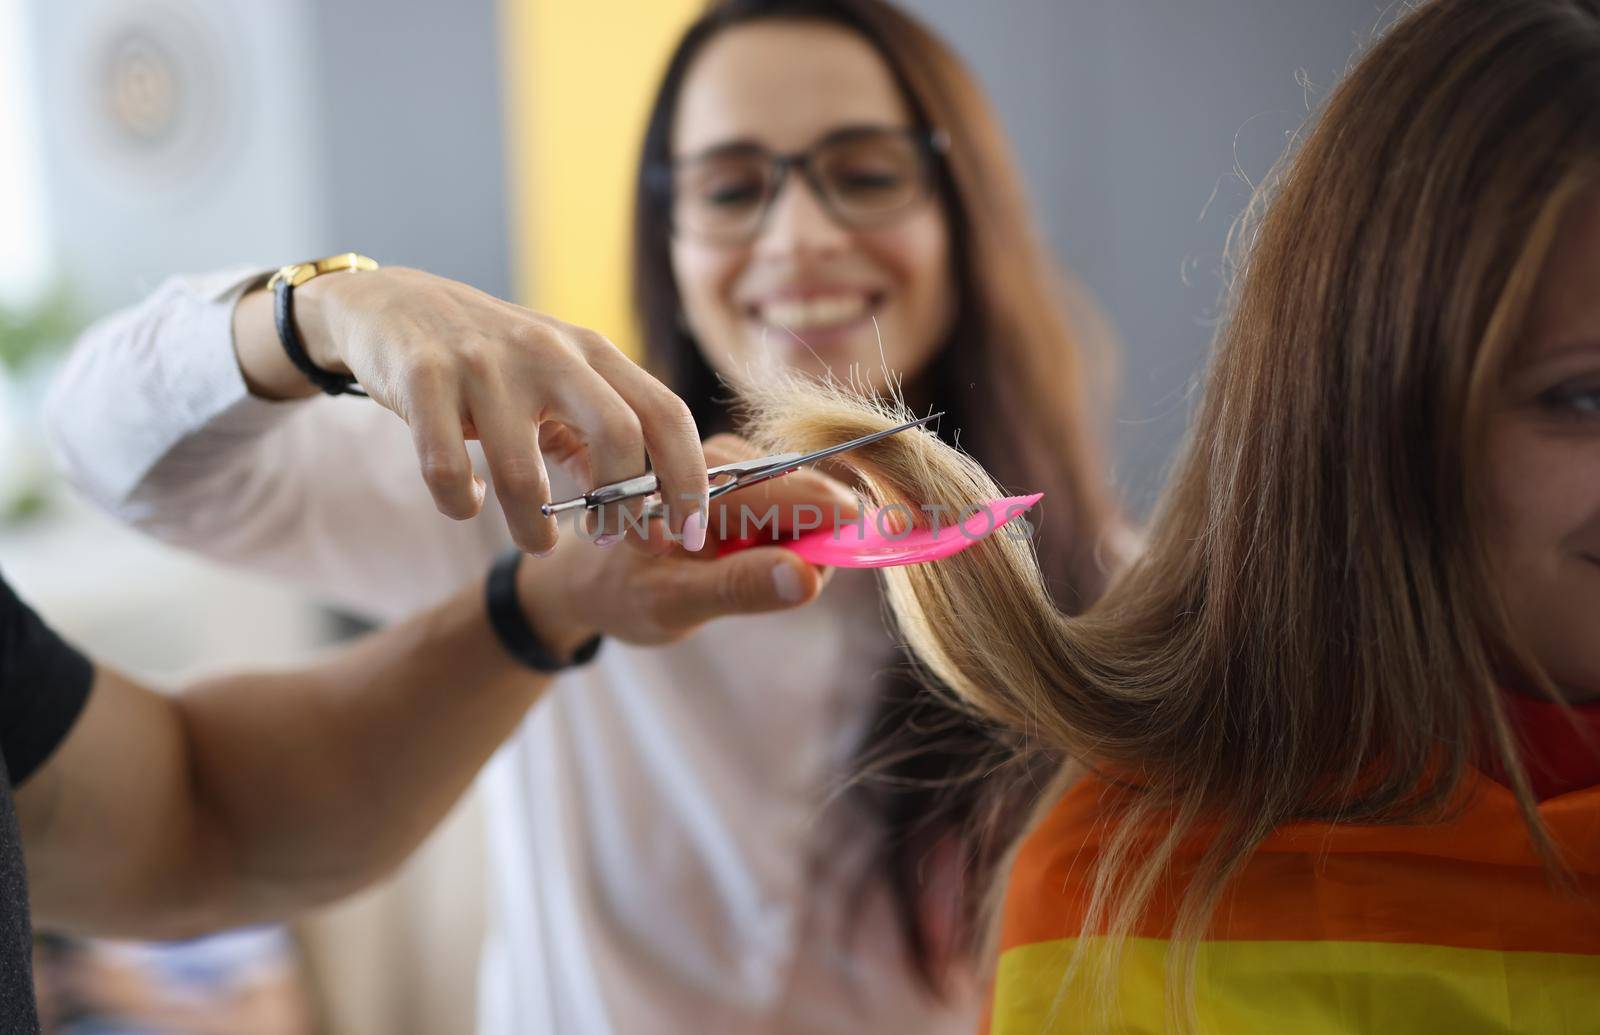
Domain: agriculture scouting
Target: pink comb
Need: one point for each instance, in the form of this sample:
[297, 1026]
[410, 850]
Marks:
[873, 545]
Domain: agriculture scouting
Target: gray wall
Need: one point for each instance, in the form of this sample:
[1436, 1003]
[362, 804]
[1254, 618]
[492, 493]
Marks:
[1127, 115]
[415, 132]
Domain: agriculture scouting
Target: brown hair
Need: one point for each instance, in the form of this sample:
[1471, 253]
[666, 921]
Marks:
[1313, 633]
[1013, 356]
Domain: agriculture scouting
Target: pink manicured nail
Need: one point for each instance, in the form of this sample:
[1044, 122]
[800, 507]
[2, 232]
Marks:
[694, 532]
[787, 582]
[609, 539]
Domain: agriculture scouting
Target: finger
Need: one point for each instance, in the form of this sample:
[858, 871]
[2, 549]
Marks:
[670, 434]
[558, 443]
[753, 581]
[724, 448]
[511, 445]
[433, 413]
[613, 441]
[658, 540]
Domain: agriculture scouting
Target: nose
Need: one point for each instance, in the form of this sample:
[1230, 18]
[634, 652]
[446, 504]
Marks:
[798, 224]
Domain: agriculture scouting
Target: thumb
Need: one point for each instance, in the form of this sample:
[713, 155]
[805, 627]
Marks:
[765, 578]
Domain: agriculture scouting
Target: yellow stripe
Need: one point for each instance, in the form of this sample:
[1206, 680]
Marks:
[579, 80]
[1312, 988]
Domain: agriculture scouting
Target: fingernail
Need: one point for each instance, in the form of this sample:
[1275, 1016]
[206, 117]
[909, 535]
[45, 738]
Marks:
[547, 551]
[787, 582]
[609, 539]
[694, 532]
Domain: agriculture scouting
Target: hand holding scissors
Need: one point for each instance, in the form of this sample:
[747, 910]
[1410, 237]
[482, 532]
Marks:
[724, 479]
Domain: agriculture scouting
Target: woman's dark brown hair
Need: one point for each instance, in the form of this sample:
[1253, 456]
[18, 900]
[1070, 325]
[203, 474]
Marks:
[1012, 355]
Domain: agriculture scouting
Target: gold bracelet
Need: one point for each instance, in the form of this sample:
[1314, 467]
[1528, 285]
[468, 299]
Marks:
[301, 272]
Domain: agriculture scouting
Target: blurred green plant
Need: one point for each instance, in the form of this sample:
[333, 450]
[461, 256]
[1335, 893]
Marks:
[24, 508]
[30, 333]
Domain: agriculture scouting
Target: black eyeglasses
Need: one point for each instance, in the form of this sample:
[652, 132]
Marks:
[863, 176]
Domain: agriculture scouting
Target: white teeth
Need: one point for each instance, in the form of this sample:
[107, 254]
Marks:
[822, 311]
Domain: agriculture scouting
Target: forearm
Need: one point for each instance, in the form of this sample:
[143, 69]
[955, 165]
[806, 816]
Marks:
[147, 379]
[321, 781]
[248, 798]
[252, 797]
[152, 420]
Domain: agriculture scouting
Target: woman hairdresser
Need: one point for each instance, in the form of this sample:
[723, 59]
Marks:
[814, 173]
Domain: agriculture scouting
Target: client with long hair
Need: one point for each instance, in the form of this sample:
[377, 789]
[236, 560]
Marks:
[1330, 749]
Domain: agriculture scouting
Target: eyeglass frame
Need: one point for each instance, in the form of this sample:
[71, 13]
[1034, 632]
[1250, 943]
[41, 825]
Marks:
[930, 144]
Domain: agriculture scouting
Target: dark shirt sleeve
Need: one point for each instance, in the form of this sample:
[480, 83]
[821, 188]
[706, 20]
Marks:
[43, 686]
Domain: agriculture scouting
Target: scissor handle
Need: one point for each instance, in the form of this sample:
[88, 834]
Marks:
[739, 473]
[627, 489]
[615, 492]
[752, 471]
[743, 473]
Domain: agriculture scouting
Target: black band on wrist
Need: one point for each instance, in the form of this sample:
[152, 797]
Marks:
[283, 314]
[511, 626]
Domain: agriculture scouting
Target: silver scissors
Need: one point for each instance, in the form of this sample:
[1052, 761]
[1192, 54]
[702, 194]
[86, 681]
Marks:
[740, 474]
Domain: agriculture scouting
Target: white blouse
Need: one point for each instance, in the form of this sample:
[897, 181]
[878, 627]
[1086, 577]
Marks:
[664, 857]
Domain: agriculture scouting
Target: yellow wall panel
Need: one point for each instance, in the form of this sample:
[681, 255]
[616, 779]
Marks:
[579, 76]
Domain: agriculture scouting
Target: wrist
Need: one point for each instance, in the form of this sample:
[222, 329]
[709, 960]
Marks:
[554, 619]
[266, 370]
[516, 630]
[314, 358]
[312, 308]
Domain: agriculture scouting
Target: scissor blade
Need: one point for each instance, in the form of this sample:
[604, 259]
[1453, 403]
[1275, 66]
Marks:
[845, 447]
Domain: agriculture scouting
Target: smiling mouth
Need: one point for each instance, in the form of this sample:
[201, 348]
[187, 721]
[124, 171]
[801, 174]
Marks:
[818, 314]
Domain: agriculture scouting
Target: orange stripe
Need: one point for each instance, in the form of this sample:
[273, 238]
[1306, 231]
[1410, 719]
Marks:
[1472, 883]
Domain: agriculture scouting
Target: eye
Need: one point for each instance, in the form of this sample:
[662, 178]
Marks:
[866, 178]
[870, 173]
[724, 183]
[1578, 400]
[736, 194]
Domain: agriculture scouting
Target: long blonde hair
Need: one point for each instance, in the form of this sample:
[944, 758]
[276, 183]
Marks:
[1313, 632]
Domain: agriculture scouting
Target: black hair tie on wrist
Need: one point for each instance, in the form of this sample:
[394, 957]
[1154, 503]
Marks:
[283, 314]
[510, 622]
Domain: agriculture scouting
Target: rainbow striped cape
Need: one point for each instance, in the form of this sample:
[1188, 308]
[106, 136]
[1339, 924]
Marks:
[1452, 927]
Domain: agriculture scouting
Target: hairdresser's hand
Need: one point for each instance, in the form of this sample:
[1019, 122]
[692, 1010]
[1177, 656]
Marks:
[456, 364]
[660, 593]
